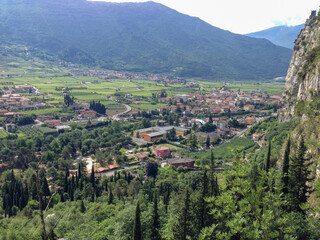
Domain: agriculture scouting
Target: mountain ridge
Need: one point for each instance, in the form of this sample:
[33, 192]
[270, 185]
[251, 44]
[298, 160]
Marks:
[140, 37]
[283, 36]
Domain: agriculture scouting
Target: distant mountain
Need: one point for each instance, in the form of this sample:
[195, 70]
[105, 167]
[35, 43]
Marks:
[282, 35]
[139, 37]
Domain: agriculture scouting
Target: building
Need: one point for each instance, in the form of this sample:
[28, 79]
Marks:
[86, 113]
[3, 111]
[45, 117]
[184, 162]
[52, 123]
[63, 119]
[248, 107]
[250, 120]
[162, 151]
[257, 137]
[147, 131]
[203, 136]
[10, 127]
[142, 156]
[151, 137]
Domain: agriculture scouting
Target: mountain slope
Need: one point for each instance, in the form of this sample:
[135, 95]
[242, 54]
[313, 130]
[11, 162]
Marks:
[281, 35]
[141, 37]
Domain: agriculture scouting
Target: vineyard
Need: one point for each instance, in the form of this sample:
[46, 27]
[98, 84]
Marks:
[29, 131]
[36, 131]
[3, 133]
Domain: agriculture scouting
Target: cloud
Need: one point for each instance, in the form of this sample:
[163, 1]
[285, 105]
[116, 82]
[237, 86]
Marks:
[289, 21]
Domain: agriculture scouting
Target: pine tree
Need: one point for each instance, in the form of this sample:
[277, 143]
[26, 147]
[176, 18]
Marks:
[155, 235]
[137, 233]
[285, 168]
[267, 162]
[299, 176]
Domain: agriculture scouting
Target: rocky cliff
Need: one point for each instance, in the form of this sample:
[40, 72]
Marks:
[303, 77]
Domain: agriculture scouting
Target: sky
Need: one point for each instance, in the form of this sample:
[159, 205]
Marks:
[243, 16]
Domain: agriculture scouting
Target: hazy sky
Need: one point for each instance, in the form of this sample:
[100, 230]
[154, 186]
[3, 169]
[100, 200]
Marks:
[243, 16]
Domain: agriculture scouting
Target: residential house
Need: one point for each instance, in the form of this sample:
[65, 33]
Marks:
[52, 123]
[184, 162]
[162, 151]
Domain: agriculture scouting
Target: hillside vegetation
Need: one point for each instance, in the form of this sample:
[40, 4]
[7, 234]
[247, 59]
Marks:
[139, 37]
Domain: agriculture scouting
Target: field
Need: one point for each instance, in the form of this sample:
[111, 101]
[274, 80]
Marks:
[3, 133]
[225, 152]
[35, 131]
[50, 79]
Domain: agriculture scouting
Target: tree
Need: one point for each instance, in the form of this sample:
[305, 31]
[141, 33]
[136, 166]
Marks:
[208, 143]
[82, 207]
[183, 228]
[151, 169]
[213, 183]
[192, 142]
[68, 100]
[299, 176]
[137, 233]
[267, 161]
[285, 168]
[155, 235]
[145, 123]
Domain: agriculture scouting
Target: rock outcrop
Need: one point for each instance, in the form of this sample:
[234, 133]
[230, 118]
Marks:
[303, 77]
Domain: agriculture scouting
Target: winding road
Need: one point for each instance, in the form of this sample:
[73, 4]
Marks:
[117, 116]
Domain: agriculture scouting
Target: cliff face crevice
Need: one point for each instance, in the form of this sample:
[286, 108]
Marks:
[303, 76]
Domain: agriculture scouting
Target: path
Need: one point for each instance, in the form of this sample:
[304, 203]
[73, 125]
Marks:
[117, 116]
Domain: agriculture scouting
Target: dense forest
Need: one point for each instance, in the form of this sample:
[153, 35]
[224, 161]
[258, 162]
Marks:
[248, 200]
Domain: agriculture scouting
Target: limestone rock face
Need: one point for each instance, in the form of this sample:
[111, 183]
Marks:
[303, 77]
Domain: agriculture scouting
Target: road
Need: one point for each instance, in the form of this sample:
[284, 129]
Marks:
[117, 116]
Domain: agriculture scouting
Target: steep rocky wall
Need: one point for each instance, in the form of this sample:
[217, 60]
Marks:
[303, 77]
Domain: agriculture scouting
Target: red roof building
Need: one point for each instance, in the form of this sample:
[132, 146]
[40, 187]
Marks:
[162, 151]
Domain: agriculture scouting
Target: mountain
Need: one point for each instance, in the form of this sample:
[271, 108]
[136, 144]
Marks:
[303, 77]
[139, 37]
[301, 96]
[281, 35]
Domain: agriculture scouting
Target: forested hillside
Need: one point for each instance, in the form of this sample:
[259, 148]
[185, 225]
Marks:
[139, 37]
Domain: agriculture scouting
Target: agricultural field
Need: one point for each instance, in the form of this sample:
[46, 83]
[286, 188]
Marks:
[50, 79]
[34, 131]
[3, 133]
[225, 152]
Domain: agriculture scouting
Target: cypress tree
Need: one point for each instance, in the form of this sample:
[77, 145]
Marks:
[183, 228]
[110, 200]
[155, 235]
[267, 162]
[186, 215]
[66, 185]
[82, 207]
[299, 177]
[79, 171]
[208, 141]
[212, 184]
[203, 205]
[137, 233]
[285, 168]
[92, 180]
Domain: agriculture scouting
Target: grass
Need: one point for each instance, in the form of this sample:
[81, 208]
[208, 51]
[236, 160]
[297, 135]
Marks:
[3, 133]
[43, 111]
[227, 151]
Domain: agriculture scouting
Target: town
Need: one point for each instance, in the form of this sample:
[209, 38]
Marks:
[199, 120]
